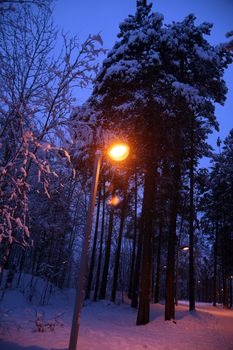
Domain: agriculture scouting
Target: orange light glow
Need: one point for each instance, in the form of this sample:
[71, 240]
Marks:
[119, 152]
[114, 201]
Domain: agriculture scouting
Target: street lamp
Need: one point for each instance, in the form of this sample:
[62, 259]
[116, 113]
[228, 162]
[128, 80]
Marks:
[184, 248]
[117, 152]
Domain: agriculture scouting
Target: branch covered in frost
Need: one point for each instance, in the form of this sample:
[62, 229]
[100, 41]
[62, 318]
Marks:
[37, 96]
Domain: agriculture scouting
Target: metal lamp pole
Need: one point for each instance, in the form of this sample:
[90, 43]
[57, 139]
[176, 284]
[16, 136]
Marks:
[84, 257]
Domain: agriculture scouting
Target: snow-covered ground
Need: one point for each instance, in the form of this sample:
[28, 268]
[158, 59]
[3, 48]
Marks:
[107, 326]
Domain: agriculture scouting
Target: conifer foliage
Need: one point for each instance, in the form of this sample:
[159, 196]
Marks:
[217, 207]
[159, 83]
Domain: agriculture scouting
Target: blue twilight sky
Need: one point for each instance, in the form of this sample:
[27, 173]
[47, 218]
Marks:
[83, 17]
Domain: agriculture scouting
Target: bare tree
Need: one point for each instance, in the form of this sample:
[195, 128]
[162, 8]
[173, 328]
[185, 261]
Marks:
[36, 98]
[10, 5]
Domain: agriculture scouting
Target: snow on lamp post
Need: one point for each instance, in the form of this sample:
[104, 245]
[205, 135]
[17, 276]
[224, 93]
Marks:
[117, 152]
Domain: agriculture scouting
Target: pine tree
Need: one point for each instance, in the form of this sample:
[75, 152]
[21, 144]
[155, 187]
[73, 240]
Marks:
[218, 215]
[152, 82]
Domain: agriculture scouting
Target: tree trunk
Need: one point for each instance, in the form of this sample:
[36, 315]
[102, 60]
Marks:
[191, 230]
[224, 263]
[224, 286]
[90, 276]
[134, 238]
[178, 255]
[230, 288]
[158, 268]
[134, 301]
[104, 280]
[215, 267]
[20, 264]
[118, 251]
[170, 276]
[101, 245]
[143, 316]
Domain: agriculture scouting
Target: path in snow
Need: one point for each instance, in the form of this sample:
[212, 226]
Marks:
[106, 326]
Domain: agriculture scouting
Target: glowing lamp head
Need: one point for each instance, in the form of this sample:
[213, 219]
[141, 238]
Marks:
[119, 152]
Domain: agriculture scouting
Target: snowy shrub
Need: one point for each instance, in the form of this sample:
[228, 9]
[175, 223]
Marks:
[42, 325]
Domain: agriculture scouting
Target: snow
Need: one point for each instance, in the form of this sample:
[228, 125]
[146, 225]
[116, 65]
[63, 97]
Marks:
[130, 66]
[108, 326]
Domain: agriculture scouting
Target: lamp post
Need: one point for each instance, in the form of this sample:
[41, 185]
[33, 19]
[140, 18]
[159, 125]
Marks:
[117, 152]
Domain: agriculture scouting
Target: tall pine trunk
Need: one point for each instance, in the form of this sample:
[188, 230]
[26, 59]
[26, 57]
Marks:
[135, 287]
[118, 251]
[230, 290]
[143, 316]
[158, 265]
[178, 254]
[215, 266]
[104, 280]
[224, 264]
[101, 245]
[91, 270]
[170, 275]
[191, 226]
[134, 238]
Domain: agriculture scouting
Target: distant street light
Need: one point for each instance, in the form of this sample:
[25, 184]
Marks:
[184, 248]
[117, 152]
